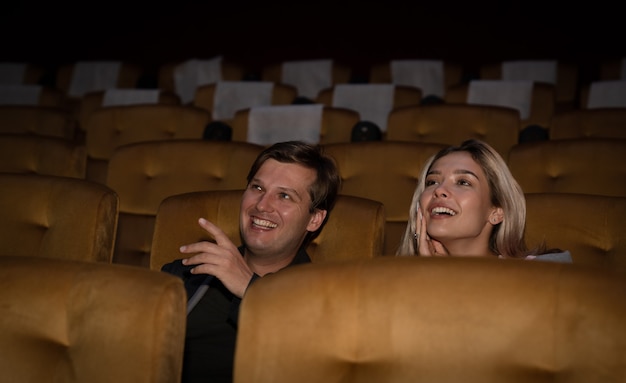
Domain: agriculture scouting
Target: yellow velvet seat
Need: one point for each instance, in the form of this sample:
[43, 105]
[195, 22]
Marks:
[35, 154]
[145, 173]
[590, 227]
[384, 171]
[39, 120]
[94, 100]
[581, 165]
[111, 127]
[453, 123]
[72, 321]
[57, 217]
[542, 103]
[599, 122]
[355, 228]
[416, 319]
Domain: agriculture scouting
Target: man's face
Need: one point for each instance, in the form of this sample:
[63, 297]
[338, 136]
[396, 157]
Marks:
[275, 215]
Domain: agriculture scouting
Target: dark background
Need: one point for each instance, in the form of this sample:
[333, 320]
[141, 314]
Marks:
[256, 33]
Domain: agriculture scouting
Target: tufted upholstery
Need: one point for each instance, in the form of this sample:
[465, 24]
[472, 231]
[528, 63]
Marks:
[354, 230]
[143, 174]
[453, 123]
[70, 321]
[384, 171]
[29, 153]
[111, 127]
[600, 122]
[56, 217]
[584, 165]
[337, 124]
[413, 319]
[39, 120]
[93, 100]
[591, 227]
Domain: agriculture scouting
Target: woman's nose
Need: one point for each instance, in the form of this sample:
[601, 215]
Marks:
[440, 191]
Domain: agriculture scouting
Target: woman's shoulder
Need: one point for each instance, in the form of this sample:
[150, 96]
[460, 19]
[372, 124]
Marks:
[561, 257]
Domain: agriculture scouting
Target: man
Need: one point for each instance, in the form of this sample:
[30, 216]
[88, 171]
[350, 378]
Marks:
[292, 188]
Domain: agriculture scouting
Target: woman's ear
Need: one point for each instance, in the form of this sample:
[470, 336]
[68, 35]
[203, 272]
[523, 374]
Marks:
[496, 216]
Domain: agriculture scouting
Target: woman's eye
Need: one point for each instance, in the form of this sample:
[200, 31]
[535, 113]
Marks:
[464, 182]
[429, 182]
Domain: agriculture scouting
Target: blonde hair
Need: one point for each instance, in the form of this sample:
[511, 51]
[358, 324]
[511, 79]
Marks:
[507, 237]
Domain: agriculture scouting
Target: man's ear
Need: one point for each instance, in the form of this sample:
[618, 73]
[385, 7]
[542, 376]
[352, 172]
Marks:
[496, 216]
[317, 218]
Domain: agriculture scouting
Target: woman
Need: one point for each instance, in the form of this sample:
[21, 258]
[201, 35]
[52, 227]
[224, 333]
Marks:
[467, 203]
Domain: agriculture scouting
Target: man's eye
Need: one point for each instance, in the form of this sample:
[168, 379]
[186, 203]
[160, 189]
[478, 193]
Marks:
[284, 196]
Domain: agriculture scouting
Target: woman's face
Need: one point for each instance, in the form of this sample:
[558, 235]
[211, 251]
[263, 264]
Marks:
[457, 206]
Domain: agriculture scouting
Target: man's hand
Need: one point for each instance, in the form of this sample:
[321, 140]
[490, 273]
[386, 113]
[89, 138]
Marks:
[221, 259]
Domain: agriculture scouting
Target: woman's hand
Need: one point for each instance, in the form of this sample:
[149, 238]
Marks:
[427, 246]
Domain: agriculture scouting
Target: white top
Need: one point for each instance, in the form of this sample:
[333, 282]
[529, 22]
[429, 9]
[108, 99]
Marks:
[309, 76]
[541, 71]
[89, 76]
[231, 96]
[19, 94]
[374, 102]
[607, 94]
[427, 75]
[192, 73]
[507, 93]
[113, 97]
[277, 123]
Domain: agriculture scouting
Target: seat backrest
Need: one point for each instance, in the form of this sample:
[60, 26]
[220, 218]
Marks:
[196, 72]
[227, 97]
[336, 124]
[34, 95]
[542, 103]
[143, 174]
[57, 217]
[453, 123]
[384, 171]
[69, 321]
[308, 76]
[83, 75]
[581, 165]
[417, 319]
[373, 102]
[452, 74]
[39, 120]
[29, 153]
[566, 79]
[355, 227]
[590, 226]
[111, 127]
[95, 100]
[600, 122]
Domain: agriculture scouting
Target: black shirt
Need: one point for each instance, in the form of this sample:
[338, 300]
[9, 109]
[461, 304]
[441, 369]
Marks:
[212, 325]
